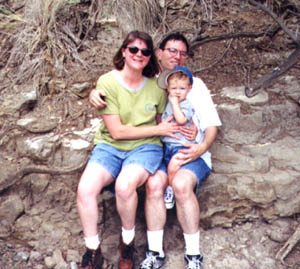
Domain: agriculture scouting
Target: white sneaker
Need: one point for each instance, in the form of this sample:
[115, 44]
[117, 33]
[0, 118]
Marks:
[193, 261]
[169, 198]
[152, 261]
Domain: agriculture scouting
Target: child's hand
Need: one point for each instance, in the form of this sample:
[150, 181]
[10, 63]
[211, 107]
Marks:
[174, 99]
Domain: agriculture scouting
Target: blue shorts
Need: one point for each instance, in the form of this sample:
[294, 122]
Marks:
[198, 166]
[148, 156]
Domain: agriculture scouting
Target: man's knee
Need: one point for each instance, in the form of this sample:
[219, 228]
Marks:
[156, 184]
[183, 184]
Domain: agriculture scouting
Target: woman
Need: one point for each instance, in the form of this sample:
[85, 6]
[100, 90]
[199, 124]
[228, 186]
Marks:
[128, 148]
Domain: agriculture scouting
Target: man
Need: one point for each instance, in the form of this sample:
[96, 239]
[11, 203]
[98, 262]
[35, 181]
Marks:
[173, 51]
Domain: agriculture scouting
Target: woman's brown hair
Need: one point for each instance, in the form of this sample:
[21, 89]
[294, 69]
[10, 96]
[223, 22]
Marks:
[151, 69]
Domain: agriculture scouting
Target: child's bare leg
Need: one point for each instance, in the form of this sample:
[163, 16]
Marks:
[173, 167]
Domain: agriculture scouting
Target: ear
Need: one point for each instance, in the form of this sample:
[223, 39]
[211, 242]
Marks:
[158, 53]
[123, 52]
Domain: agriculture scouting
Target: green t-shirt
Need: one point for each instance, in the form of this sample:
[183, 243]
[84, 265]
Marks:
[135, 107]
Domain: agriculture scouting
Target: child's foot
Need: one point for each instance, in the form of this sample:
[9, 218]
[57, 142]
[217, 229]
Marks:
[169, 198]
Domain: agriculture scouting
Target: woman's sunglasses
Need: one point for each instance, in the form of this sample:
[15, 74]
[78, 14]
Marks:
[134, 50]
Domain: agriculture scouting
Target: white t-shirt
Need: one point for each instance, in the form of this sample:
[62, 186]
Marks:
[205, 115]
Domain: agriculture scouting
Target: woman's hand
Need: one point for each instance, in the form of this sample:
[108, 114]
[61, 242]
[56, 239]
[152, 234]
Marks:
[168, 128]
[190, 133]
[96, 98]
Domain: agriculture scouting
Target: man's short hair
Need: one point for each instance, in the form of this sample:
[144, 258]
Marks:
[174, 36]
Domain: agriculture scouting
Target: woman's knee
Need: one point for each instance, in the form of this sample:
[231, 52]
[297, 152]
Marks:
[124, 190]
[85, 192]
[130, 178]
[90, 184]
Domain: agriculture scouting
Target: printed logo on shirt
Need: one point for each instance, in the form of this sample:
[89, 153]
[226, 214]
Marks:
[149, 108]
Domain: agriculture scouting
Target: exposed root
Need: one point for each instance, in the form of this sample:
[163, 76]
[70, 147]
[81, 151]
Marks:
[288, 246]
[19, 175]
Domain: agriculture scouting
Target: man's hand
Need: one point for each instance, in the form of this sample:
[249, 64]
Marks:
[191, 152]
[96, 98]
[190, 133]
[194, 151]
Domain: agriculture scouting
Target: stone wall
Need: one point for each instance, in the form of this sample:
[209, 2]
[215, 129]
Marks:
[256, 169]
[255, 159]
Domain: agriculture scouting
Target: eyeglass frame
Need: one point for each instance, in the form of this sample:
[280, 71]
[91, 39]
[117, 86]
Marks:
[174, 52]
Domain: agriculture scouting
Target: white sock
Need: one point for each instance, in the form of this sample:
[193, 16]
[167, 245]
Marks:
[155, 241]
[128, 235]
[192, 243]
[92, 242]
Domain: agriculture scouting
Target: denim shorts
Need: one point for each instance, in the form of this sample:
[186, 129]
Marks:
[148, 156]
[198, 166]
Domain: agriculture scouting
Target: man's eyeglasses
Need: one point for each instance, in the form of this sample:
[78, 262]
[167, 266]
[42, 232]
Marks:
[134, 50]
[174, 52]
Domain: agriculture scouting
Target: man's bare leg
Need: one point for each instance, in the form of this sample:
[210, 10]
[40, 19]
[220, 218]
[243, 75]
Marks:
[188, 210]
[155, 209]
[188, 213]
[156, 215]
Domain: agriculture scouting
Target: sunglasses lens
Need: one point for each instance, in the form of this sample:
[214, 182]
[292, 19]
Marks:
[146, 52]
[133, 50]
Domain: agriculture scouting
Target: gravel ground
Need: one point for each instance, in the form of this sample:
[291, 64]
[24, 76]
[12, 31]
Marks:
[251, 245]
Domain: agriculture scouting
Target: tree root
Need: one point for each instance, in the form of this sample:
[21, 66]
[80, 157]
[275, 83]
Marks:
[278, 20]
[19, 175]
[292, 60]
[269, 78]
[288, 246]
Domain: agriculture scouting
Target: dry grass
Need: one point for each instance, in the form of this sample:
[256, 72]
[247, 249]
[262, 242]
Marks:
[143, 15]
[42, 43]
[45, 40]
[51, 33]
